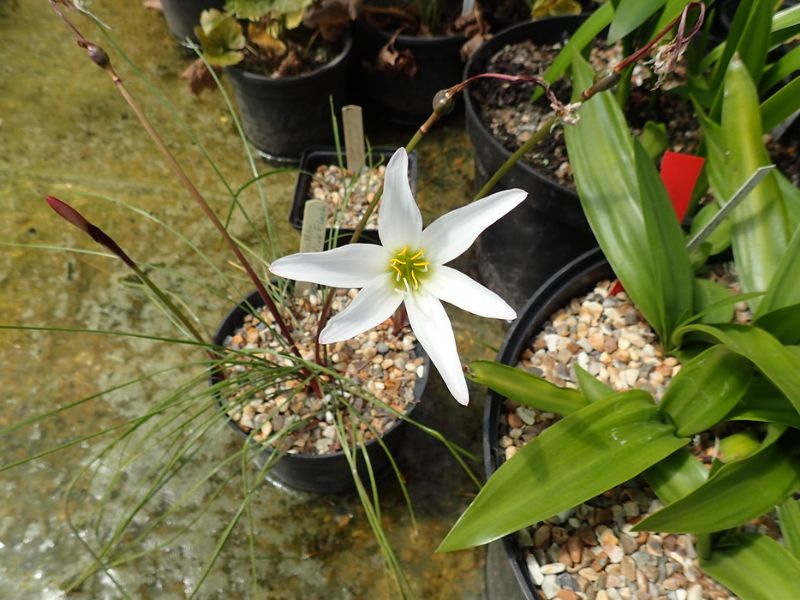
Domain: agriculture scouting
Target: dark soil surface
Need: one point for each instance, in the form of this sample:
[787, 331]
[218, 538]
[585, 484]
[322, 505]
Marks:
[512, 118]
[299, 58]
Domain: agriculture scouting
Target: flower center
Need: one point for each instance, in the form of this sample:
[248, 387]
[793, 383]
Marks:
[409, 267]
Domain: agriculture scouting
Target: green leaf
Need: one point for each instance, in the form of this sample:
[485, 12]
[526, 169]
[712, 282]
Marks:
[526, 388]
[671, 11]
[706, 389]
[584, 454]
[785, 24]
[781, 105]
[583, 36]
[221, 38]
[764, 402]
[676, 476]
[630, 14]
[754, 567]
[776, 361]
[783, 323]
[592, 388]
[720, 238]
[780, 70]
[759, 227]
[629, 213]
[253, 10]
[738, 492]
[654, 138]
[713, 300]
[738, 446]
[789, 520]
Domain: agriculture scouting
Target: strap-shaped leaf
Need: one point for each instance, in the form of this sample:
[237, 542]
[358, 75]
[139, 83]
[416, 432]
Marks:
[628, 211]
[754, 567]
[584, 454]
[713, 300]
[526, 388]
[738, 492]
[764, 402]
[789, 520]
[706, 389]
[776, 361]
[676, 476]
[630, 14]
[783, 323]
[760, 230]
[781, 105]
[591, 387]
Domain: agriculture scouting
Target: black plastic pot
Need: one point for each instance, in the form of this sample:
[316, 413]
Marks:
[315, 157]
[183, 15]
[521, 251]
[325, 473]
[575, 279]
[395, 97]
[282, 116]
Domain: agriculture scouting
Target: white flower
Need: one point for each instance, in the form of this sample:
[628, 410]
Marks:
[409, 267]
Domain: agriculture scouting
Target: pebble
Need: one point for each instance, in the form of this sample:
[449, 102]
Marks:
[535, 571]
[553, 568]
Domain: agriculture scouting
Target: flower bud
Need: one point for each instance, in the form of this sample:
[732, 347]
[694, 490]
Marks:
[443, 102]
[98, 55]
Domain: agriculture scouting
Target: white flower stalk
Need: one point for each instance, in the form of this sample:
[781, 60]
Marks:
[409, 267]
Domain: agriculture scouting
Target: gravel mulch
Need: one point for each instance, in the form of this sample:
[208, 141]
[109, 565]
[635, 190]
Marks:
[384, 362]
[345, 195]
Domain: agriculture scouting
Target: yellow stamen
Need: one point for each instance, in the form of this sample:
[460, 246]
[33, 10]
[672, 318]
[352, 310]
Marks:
[408, 266]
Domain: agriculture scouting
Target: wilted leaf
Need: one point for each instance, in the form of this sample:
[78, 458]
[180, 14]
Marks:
[199, 77]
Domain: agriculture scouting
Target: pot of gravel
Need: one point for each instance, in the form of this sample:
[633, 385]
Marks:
[183, 16]
[346, 194]
[548, 229]
[288, 417]
[590, 550]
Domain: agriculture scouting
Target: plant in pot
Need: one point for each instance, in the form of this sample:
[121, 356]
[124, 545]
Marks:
[287, 61]
[409, 50]
[269, 367]
[346, 193]
[637, 494]
[183, 15]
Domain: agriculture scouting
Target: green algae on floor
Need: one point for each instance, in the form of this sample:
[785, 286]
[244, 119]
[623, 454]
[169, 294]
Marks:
[65, 131]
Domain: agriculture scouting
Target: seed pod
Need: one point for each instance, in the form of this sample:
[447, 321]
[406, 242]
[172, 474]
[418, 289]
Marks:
[443, 102]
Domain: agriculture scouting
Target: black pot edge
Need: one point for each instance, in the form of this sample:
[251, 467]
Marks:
[235, 318]
[311, 159]
[572, 280]
[471, 112]
[240, 71]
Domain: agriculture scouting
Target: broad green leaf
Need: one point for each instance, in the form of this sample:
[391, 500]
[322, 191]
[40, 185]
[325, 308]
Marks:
[781, 105]
[753, 47]
[759, 227]
[255, 9]
[783, 323]
[591, 387]
[630, 14]
[735, 33]
[581, 456]
[791, 199]
[526, 388]
[714, 300]
[626, 211]
[676, 476]
[583, 36]
[720, 238]
[738, 492]
[789, 520]
[784, 289]
[221, 38]
[706, 389]
[754, 567]
[785, 24]
[764, 402]
[776, 361]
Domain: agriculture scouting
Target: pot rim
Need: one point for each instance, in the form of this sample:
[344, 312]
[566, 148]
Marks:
[471, 109]
[253, 300]
[240, 71]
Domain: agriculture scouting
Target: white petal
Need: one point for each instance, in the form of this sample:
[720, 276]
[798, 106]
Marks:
[372, 306]
[353, 265]
[464, 292]
[452, 233]
[399, 219]
[433, 330]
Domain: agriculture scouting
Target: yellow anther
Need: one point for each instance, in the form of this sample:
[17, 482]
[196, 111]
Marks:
[417, 255]
[408, 268]
[414, 278]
